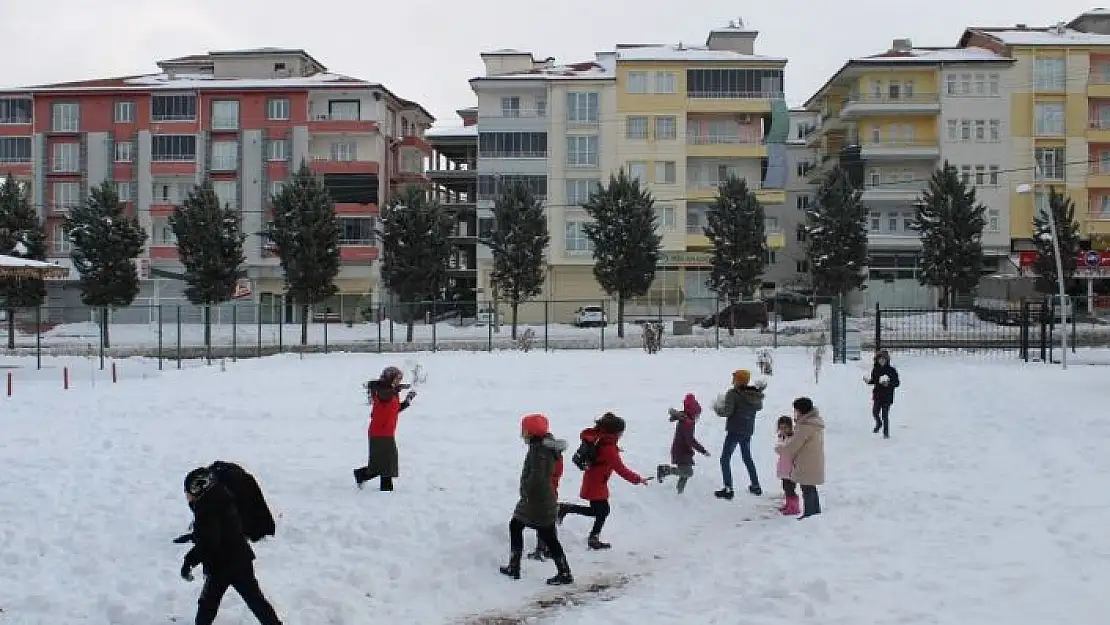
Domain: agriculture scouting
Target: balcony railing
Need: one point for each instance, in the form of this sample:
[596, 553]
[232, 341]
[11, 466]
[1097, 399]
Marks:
[63, 208]
[14, 159]
[723, 140]
[510, 113]
[336, 158]
[699, 182]
[698, 229]
[886, 98]
[335, 117]
[61, 247]
[895, 143]
[1100, 168]
[769, 94]
[908, 187]
[225, 123]
[485, 197]
[225, 163]
[517, 154]
[362, 241]
[1100, 75]
[1099, 124]
[63, 165]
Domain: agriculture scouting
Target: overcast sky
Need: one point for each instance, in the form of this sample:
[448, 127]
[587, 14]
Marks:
[426, 50]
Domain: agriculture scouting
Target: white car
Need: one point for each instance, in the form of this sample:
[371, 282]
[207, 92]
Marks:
[590, 316]
[485, 317]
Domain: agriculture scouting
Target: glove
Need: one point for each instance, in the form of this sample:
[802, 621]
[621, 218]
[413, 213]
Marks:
[707, 454]
[184, 538]
[186, 572]
[410, 395]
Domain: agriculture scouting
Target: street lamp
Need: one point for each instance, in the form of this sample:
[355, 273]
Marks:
[1028, 188]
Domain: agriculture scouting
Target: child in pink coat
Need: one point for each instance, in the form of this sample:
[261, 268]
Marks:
[785, 467]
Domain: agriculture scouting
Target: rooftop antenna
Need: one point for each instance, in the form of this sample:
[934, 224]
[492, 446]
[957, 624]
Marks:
[740, 23]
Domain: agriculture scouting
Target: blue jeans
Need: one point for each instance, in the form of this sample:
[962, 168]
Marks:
[732, 441]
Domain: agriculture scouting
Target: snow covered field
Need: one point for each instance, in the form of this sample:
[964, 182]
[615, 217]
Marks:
[984, 507]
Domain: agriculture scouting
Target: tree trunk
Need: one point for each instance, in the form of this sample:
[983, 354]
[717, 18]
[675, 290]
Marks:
[620, 317]
[207, 327]
[11, 328]
[409, 328]
[731, 317]
[104, 338]
[516, 307]
[945, 302]
[304, 324]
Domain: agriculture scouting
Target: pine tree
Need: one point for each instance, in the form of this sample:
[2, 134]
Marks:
[210, 247]
[836, 229]
[1063, 211]
[416, 247]
[517, 243]
[626, 244]
[105, 245]
[23, 235]
[305, 232]
[951, 224]
[736, 230]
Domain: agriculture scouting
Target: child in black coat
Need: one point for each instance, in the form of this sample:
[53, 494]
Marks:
[884, 379]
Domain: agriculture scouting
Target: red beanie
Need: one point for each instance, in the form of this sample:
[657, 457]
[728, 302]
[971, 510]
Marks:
[691, 406]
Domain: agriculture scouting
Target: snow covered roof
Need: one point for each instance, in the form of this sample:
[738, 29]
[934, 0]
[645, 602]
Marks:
[586, 70]
[969, 54]
[680, 52]
[16, 267]
[203, 81]
[452, 131]
[1042, 36]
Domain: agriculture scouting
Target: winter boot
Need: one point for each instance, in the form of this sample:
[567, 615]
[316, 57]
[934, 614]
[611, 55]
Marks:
[755, 490]
[594, 542]
[512, 569]
[562, 576]
[792, 506]
[661, 472]
[878, 426]
[362, 476]
[387, 484]
[724, 493]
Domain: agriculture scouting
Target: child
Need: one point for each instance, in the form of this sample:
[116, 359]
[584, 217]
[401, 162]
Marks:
[220, 546]
[785, 467]
[684, 444]
[595, 482]
[807, 452]
[739, 407]
[884, 379]
[538, 505]
[542, 551]
[386, 406]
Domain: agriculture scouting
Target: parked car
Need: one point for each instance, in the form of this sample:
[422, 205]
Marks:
[742, 315]
[790, 306]
[590, 316]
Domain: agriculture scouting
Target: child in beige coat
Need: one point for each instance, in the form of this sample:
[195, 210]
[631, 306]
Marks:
[807, 450]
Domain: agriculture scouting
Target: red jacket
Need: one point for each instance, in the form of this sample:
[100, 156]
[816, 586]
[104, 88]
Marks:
[595, 481]
[385, 407]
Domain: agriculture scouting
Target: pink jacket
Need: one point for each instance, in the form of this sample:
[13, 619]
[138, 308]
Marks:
[785, 465]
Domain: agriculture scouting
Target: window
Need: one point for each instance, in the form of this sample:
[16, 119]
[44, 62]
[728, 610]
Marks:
[1048, 74]
[995, 130]
[769, 257]
[802, 168]
[579, 190]
[582, 151]
[65, 156]
[666, 128]
[575, 239]
[993, 173]
[344, 151]
[770, 224]
[965, 84]
[65, 117]
[277, 109]
[876, 134]
[510, 106]
[1050, 163]
[66, 195]
[16, 110]
[489, 187]
[907, 90]
[734, 83]
[894, 90]
[1040, 203]
[162, 234]
[225, 156]
[583, 107]
[907, 135]
[512, 145]
[965, 174]
[980, 84]
[228, 192]
[225, 114]
[953, 130]
[277, 150]
[906, 175]
[980, 175]
[802, 266]
[637, 170]
[893, 220]
[1049, 118]
[171, 192]
[665, 172]
[802, 202]
[950, 84]
[874, 221]
[541, 106]
[276, 187]
[665, 218]
[344, 110]
[994, 220]
[637, 82]
[965, 129]
[877, 89]
[15, 149]
[666, 82]
[800, 234]
[173, 148]
[980, 130]
[356, 231]
[123, 191]
[874, 178]
[636, 127]
[125, 152]
[173, 108]
[62, 243]
[992, 84]
[124, 112]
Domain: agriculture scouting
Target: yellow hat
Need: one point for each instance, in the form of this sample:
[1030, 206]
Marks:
[741, 377]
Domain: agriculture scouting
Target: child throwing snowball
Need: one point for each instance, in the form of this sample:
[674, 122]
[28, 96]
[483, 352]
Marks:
[386, 407]
[684, 444]
[784, 469]
[883, 379]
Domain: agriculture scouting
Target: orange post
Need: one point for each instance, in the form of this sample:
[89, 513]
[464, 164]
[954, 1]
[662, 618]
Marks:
[115, 378]
[65, 378]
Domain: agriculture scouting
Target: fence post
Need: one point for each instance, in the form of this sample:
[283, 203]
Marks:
[1023, 333]
[327, 322]
[379, 315]
[281, 327]
[777, 313]
[179, 336]
[546, 321]
[717, 322]
[103, 326]
[234, 330]
[605, 322]
[435, 324]
[258, 319]
[159, 336]
[1069, 313]
[38, 336]
[842, 335]
[1044, 332]
[878, 327]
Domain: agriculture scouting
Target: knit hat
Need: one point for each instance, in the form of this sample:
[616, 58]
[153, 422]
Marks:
[535, 425]
[741, 377]
[691, 406]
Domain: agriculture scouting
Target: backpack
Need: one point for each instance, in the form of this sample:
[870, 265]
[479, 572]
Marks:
[255, 515]
[586, 455]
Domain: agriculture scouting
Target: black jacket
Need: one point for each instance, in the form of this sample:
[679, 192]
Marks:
[883, 394]
[218, 540]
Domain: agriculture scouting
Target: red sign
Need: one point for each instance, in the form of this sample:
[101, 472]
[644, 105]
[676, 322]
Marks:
[1026, 260]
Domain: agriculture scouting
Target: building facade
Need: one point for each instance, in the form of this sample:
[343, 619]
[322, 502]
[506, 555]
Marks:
[789, 266]
[453, 172]
[681, 119]
[245, 119]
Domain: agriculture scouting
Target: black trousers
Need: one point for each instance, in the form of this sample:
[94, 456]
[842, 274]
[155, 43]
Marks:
[881, 412]
[788, 487]
[246, 585]
[598, 509]
[811, 502]
[547, 536]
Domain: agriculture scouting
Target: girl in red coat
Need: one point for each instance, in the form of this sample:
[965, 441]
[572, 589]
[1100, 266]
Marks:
[385, 408]
[595, 482]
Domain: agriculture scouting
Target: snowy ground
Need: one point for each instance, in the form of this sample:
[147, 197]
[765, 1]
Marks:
[983, 507]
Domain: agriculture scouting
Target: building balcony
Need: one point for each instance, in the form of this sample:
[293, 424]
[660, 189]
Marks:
[900, 150]
[162, 207]
[892, 192]
[335, 165]
[1098, 176]
[1098, 131]
[61, 209]
[173, 168]
[325, 123]
[357, 251]
[354, 209]
[862, 105]
[731, 101]
[532, 155]
[163, 250]
[696, 239]
[705, 190]
[725, 146]
[1098, 82]
[455, 174]
[413, 141]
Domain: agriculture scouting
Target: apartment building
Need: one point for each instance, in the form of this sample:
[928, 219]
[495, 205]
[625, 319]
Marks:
[245, 118]
[892, 119]
[453, 171]
[789, 266]
[679, 118]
